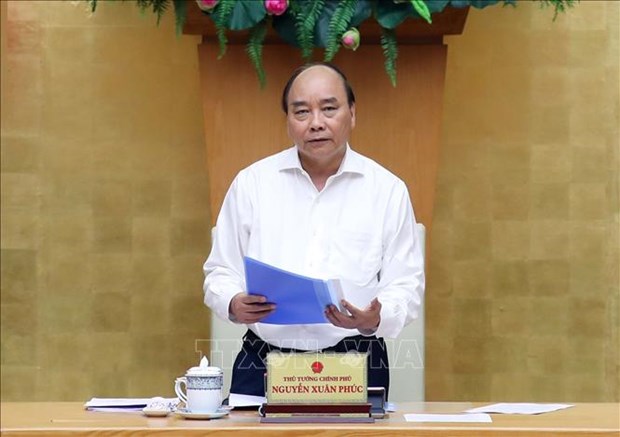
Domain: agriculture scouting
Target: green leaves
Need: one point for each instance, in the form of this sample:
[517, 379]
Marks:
[322, 11]
[422, 10]
[180, 14]
[254, 50]
[389, 15]
[317, 23]
[325, 25]
[559, 5]
[390, 53]
[338, 25]
[159, 7]
[478, 4]
[246, 14]
[305, 20]
[220, 17]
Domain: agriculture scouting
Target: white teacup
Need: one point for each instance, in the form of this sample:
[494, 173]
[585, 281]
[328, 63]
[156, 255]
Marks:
[203, 388]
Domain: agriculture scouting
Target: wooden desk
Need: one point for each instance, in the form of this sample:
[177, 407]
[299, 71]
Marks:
[69, 418]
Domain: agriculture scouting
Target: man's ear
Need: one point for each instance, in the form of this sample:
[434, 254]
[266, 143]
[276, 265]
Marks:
[352, 108]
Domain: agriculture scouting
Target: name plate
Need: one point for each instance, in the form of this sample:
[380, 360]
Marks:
[315, 378]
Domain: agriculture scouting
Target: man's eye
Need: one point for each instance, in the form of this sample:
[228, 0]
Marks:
[329, 108]
[301, 112]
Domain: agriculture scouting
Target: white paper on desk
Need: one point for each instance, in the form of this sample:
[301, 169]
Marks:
[123, 404]
[136, 410]
[240, 400]
[449, 418]
[519, 408]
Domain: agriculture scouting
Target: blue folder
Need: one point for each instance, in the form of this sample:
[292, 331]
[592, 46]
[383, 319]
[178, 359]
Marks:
[299, 299]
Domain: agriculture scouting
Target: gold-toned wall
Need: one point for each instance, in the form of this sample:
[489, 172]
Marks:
[524, 290]
[105, 206]
[105, 220]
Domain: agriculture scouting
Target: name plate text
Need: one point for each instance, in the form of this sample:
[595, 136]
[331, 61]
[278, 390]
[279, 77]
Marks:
[310, 378]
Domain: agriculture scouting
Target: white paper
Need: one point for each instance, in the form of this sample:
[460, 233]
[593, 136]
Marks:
[116, 409]
[123, 404]
[240, 400]
[449, 418]
[519, 408]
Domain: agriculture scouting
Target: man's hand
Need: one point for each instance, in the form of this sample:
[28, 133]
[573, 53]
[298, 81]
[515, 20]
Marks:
[247, 308]
[365, 321]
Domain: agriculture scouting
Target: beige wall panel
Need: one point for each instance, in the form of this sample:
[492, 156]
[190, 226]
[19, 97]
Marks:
[105, 214]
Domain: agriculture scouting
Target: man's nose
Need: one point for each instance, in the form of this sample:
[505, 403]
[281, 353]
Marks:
[317, 123]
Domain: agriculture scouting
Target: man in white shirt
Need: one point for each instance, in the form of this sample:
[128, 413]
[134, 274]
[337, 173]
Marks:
[318, 209]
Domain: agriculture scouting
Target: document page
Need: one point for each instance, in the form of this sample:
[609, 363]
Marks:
[519, 408]
[449, 418]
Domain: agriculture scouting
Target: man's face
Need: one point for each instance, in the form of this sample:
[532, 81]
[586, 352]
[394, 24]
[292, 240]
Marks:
[319, 119]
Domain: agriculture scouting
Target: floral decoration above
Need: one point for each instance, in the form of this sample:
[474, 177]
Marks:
[312, 24]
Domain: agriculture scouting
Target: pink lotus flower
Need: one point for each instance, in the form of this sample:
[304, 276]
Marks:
[207, 5]
[276, 7]
[351, 39]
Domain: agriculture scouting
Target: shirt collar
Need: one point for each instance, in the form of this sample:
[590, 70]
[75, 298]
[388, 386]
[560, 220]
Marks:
[352, 162]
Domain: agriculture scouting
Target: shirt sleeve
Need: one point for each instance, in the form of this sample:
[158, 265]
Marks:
[223, 270]
[402, 280]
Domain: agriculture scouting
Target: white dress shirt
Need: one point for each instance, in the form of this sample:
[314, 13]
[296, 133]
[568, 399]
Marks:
[359, 228]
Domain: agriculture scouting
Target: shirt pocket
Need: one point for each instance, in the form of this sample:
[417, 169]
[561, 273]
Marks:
[355, 255]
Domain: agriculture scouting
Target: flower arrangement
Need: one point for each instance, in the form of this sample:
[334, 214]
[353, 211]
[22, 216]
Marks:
[310, 24]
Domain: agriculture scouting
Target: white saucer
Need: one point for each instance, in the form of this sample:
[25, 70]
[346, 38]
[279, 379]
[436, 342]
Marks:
[186, 414]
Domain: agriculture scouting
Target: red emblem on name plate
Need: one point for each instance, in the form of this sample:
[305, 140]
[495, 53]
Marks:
[317, 367]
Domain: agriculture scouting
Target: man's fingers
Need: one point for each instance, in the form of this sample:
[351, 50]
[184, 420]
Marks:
[330, 314]
[254, 320]
[250, 308]
[252, 298]
[358, 318]
[335, 321]
[338, 318]
[375, 305]
[259, 308]
[256, 317]
[355, 311]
